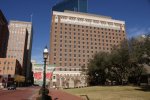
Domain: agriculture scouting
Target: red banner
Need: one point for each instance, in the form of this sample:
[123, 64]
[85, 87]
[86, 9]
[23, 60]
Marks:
[38, 75]
[48, 75]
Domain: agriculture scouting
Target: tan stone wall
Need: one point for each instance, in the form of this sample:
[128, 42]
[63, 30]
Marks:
[66, 80]
[9, 66]
[17, 42]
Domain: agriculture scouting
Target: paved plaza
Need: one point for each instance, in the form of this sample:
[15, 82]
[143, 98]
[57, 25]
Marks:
[30, 93]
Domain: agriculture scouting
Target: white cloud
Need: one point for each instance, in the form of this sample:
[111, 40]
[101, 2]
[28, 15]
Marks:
[149, 29]
[37, 58]
[136, 31]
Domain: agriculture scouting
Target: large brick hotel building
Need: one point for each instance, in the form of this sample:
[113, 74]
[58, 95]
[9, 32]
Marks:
[76, 37]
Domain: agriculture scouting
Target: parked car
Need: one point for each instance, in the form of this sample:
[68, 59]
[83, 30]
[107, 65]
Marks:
[12, 87]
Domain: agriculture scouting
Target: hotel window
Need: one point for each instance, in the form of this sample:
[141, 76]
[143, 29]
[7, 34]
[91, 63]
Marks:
[65, 59]
[65, 50]
[65, 64]
[83, 60]
[70, 55]
[83, 51]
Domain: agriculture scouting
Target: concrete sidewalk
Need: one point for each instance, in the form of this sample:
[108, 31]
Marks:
[61, 95]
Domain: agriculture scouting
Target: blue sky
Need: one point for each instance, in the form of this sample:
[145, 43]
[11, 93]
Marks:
[136, 14]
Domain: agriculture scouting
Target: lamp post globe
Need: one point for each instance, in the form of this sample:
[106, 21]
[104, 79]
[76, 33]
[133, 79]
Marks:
[45, 53]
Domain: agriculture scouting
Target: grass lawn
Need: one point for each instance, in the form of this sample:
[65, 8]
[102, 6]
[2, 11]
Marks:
[112, 93]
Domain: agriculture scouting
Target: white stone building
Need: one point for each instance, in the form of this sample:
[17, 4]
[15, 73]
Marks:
[59, 77]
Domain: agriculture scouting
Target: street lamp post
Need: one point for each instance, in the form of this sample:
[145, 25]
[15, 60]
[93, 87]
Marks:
[45, 56]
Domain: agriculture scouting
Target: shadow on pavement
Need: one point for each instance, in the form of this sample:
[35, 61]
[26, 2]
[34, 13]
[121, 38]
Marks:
[144, 88]
[47, 97]
[55, 98]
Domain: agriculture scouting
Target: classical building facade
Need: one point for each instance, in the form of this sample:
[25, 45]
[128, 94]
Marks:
[4, 34]
[59, 77]
[72, 5]
[76, 37]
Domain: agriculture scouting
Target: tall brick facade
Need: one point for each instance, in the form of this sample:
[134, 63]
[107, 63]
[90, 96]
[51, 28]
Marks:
[76, 37]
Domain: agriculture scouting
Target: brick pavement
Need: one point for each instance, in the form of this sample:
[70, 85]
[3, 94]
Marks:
[61, 95]
[26, 93]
